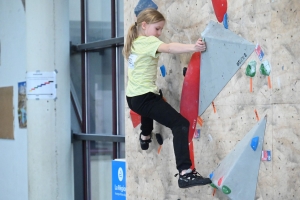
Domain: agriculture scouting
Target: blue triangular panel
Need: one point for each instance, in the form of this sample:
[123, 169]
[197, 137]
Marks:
[143, 4]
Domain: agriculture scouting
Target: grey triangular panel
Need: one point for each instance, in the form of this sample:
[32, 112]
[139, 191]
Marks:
[239, 169]
[225, 54]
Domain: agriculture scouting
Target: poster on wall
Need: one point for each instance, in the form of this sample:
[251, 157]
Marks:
[41, 85]
[119, 179]
[22, 110]
[6, 113]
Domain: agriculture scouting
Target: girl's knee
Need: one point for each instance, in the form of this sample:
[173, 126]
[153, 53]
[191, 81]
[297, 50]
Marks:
[184, 122]
[181, 125]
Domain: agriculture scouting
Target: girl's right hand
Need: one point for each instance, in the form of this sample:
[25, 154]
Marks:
[200, 45]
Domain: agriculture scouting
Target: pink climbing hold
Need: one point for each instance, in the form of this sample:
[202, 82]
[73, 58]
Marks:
[220, 181]
[220, 7]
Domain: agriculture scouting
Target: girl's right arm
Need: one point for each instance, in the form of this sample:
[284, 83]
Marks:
[177, 48]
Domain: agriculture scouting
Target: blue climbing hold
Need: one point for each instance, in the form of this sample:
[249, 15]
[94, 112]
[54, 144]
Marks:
[254, 143]
[143, 4]
[163, 70]
[225, 21]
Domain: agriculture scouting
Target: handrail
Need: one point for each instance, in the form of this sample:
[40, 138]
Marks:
[98, 44]
[98, 137]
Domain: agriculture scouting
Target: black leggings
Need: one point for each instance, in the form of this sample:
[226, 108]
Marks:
[152, 107]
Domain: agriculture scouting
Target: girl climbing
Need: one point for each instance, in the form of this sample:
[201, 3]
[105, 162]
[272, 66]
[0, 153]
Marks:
[142, 49]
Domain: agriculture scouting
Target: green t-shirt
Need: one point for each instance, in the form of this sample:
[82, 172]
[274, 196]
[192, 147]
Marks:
[142, 66]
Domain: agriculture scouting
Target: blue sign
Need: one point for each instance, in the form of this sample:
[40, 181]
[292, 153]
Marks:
[118, 180]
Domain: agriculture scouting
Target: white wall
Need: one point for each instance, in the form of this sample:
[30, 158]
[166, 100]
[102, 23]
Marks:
[13, 153]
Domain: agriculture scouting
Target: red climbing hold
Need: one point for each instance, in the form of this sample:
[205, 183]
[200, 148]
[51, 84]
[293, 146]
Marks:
[191, 149]
[220, 7]
[135, 118]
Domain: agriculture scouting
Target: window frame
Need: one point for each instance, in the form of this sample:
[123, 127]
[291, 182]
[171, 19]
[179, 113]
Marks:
[80, 140]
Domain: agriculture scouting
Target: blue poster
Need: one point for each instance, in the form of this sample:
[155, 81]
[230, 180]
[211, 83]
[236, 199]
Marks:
[118, 179]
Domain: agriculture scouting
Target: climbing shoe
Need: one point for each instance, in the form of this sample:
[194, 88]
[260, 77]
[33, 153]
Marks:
[144, 143]
[191, 178]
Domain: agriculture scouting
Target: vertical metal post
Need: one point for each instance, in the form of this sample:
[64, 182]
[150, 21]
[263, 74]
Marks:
[84, 125]
[114, 85]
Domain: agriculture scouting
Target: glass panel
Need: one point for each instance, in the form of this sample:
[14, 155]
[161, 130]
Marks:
[75, 59]
[75, 70]
[120, 18]
[100, 91]
[101, 170]
[98, 20]
[75, 122]
[75, 26]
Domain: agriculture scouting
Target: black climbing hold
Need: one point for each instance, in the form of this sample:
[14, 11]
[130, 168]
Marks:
[184, 71]
[159, 138]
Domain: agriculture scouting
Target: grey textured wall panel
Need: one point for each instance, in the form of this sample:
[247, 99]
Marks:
[238, 171]
[226, 52]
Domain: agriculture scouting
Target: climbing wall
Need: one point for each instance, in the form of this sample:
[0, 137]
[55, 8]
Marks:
[274, 26]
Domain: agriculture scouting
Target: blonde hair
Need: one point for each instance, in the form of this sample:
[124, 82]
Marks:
[150, 16]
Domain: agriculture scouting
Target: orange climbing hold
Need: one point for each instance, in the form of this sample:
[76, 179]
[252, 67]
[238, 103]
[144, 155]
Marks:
[256, 114]
[214, 191]
[269, 82]
[251, 84]
[214, 107]
[200, 121]
[159, 148]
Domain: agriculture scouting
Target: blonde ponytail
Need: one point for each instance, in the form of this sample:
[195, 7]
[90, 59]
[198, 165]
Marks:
[131, 36]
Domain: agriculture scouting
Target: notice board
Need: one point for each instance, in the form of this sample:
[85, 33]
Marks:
[6, 113]
[118, 179]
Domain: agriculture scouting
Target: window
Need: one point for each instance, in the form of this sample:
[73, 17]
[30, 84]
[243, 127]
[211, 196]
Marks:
[97, 93]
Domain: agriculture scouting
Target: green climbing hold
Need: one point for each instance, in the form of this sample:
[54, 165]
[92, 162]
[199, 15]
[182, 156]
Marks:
[251, 68]
[213, 185]
[226, 190]
[265, 68]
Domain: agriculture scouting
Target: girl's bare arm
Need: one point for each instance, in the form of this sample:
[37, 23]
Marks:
[177, 48]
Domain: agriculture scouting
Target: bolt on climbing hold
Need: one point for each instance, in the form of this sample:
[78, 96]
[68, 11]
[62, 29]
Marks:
[220, 181]
[159, 138]
[265, 68]
[225, 21]
[254, 143]
[251, 68]
[211, 175]
[143, 4]
[226, 190]
[163, 70]
[184, 71]
[213, 185]
[251, 71]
